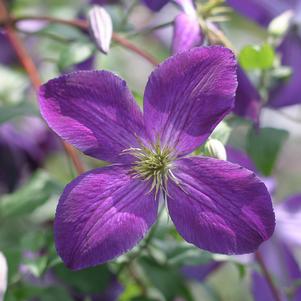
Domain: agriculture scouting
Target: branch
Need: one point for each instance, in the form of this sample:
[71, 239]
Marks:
[29, 66]
[83, 25]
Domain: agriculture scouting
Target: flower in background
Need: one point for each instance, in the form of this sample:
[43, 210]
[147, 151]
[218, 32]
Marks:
[187, 30]
[214, 204]
[278, 253]
[23, 149]
[7, 53]
[287, 92]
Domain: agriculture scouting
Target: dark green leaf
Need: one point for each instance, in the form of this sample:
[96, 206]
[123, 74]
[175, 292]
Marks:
[92, 280]
[264, 146]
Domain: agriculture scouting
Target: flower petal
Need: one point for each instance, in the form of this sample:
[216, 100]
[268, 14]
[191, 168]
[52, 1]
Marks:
[102, 214]
[94, 111]
[220, 206]
[289, 92]
[261, 11]
[288, 216]
[155, 5]
[247, 100]
[187, 33]
[261, 290]
[188, 95]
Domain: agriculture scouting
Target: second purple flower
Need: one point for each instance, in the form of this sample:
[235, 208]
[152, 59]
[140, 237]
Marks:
[216, 205]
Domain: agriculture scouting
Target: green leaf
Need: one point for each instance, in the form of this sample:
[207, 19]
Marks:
[166, 279]
[264, 146]
[76, 53]
[12, 111]
[257, 57]
[31, 195]
[92, 280]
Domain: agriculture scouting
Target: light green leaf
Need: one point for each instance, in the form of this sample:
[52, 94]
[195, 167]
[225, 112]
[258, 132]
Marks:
[23, 109]
[257, 57]
[31, 195]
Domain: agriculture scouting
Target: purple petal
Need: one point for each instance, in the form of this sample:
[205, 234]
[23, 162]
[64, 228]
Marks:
[260, 288]
[187, 33]
[219, 206]
[94, 111]
[202, 271]
[281, 262]
[288, 216]
[239, 157]
[247, 101]
[155, 5]
[261, 11]
[101, 215]
[188, 95]
[289, 92]
[7, 53]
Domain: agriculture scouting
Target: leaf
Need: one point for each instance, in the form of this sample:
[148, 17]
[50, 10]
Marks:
[257, 57]
[166, 279]
[23, 109]
[92, 280]
[31, 195]
[264, 146]
[75, 54]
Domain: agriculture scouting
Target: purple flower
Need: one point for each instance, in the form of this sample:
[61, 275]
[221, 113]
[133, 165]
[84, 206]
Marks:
[23, 148]
[214, 204]
[247, 102]
[7, 54]
[241, 158]
[155, 5]
[187, 31]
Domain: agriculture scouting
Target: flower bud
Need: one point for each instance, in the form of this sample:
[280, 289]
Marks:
[3, 276]
[280, 24]
[101, 28]
[214, 148]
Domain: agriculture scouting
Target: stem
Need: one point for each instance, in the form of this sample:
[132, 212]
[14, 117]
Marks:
[267, 276]
[33, 74]
[83, 25]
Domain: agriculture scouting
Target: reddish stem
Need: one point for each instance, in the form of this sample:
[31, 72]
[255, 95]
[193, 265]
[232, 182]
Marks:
[83, 25]
[34, 76]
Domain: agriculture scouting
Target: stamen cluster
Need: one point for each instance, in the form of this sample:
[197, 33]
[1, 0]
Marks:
[153, 163]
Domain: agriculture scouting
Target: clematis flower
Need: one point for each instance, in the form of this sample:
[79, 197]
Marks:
[286, 92]
[24, 147]
[187, 31]
[214, 204]
[7, 54]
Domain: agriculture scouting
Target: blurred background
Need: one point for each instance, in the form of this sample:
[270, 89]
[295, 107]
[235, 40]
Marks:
[34, 166]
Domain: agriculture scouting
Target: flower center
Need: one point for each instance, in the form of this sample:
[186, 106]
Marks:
[153, 163]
